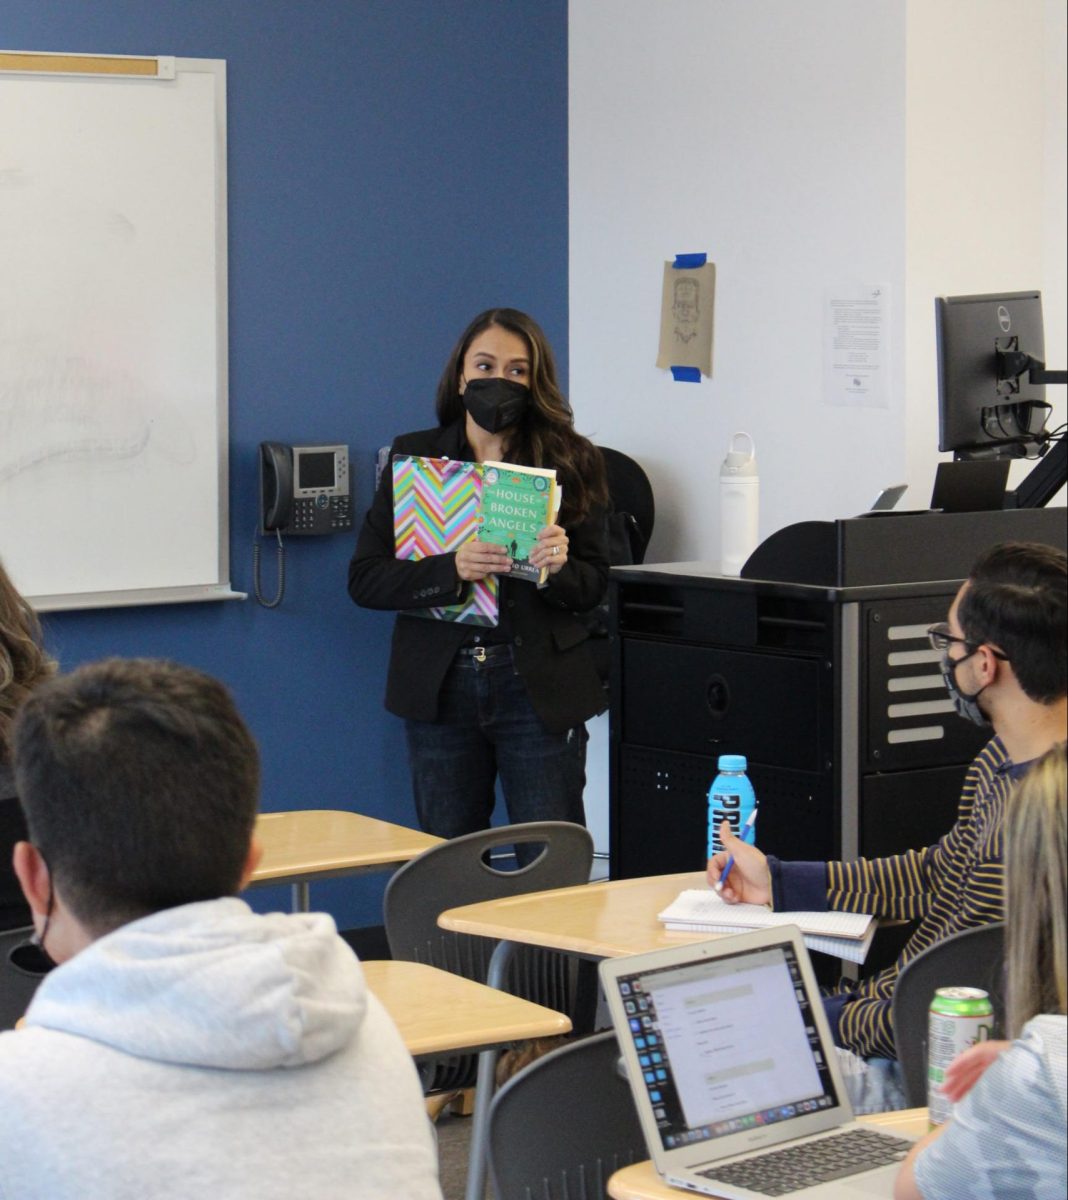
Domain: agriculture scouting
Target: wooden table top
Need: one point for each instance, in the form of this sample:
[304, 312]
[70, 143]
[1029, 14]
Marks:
[600, 920]
[437, 1011]
[641, 1181]
[318, 843]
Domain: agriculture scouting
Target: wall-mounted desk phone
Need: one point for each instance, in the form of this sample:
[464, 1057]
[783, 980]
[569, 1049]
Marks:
[304, 491]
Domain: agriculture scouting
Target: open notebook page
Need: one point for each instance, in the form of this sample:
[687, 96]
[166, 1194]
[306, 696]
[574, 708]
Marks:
[706, 907]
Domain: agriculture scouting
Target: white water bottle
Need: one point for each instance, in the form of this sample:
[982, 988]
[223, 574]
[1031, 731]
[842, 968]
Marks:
[739, 505]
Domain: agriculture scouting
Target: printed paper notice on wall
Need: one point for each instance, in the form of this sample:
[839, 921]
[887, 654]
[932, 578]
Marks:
[686, 309]
[856, 346]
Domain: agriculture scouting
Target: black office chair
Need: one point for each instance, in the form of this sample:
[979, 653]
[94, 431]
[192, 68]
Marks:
[628, 527]
[560, 1127]
[460, 871]
[973, 958]
[630, 523]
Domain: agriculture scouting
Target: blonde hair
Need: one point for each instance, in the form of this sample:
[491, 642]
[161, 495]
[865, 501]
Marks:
[23, 661]
[1037, 981]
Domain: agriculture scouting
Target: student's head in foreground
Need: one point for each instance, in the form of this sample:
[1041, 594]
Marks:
[1037, 933]
[140, 785]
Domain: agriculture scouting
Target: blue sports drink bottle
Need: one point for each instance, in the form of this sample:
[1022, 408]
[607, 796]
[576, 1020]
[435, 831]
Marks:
[730, 798]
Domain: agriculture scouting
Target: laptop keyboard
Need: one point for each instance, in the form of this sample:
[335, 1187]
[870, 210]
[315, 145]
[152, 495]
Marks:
[780, 1172]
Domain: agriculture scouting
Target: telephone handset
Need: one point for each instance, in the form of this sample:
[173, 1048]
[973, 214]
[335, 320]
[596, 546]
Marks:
[276, 485]
[304, 491]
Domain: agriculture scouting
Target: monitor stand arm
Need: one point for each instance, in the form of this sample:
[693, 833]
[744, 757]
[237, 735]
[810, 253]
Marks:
[1038, 374]
[1014, 363]
[1044, 481]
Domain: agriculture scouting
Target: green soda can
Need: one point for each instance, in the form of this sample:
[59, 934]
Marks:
[959, 1017]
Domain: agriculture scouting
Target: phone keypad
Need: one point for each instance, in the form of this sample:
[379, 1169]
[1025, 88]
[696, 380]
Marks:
[321, 514]
[341, 513]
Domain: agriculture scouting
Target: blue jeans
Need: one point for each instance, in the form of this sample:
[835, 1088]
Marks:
[487, 728]
[874, 1085]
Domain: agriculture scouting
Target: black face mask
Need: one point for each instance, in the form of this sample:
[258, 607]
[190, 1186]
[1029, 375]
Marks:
[496, 404]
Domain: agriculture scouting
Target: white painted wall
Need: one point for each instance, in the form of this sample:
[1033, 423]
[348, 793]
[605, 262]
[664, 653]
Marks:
[1054, 191]
[801, 145]
[986, 83]
[770, 135]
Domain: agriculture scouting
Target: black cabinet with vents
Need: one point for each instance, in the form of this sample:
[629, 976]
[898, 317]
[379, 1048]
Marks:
[819, 671]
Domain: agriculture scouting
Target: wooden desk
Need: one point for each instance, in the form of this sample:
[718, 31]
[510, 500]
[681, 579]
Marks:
[597, 920]
[641, 1181]
[317, 843]
[437, 1011]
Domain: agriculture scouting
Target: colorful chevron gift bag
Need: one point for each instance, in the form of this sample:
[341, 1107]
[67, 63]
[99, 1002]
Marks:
[435, 510]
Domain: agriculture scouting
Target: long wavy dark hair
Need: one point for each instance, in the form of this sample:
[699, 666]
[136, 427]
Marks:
[546, 435]
[23, 661]
[1036, 961]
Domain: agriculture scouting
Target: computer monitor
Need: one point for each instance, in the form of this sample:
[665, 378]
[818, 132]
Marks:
[990, 360]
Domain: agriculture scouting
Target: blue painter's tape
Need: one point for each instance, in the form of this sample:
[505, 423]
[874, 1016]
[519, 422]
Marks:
[686, 374]
[687, 262]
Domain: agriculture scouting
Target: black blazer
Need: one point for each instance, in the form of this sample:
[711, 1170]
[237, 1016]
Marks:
[551, 653]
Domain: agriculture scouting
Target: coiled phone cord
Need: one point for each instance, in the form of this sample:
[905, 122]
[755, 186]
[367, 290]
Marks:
[274, 603]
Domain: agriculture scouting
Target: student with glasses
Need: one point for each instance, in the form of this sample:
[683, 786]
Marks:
[1005, 662]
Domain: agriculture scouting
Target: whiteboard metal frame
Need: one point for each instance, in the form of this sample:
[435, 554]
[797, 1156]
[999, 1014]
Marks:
[170, 68]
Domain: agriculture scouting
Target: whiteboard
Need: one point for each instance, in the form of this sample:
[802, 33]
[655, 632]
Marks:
[113, 336]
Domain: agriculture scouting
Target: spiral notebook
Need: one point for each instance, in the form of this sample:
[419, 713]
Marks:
[699, 910]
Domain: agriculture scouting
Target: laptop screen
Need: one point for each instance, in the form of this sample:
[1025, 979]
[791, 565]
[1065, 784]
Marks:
[726, 1044]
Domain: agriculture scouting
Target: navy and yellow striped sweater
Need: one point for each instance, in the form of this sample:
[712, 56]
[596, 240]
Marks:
[954, 885]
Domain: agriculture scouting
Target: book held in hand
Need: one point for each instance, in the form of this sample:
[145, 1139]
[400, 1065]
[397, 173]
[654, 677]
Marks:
[700, 910]
[518, 502]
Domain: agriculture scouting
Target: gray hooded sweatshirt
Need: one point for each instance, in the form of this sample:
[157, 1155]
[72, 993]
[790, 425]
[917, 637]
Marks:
[205, 1051]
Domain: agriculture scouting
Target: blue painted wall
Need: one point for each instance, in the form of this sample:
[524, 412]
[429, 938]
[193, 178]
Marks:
[395, 166]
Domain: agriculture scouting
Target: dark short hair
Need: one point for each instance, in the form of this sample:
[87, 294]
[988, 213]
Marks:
[140, 784]
[1017, 600]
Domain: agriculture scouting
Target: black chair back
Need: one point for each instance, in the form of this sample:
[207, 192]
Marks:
[22, 967]
[973, 958]
[633, 508]
[560, 1127]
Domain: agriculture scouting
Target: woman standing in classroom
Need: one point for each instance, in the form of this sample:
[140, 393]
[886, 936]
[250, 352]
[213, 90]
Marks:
[508, 701]
[1005, 1140]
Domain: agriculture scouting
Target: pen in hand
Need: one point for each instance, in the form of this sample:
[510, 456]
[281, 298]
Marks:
[743, 833]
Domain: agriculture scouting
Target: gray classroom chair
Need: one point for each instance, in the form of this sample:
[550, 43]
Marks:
[973, 958]
[560, 1127]
[460, 871]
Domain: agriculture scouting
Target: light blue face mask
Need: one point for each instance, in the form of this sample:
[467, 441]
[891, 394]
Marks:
[966, 706]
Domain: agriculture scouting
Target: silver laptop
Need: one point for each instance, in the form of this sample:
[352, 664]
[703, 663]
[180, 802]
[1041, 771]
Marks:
[735, 1075]
[888, 497]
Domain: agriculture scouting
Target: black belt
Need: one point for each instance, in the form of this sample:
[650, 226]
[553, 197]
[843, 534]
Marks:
[481, 654]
